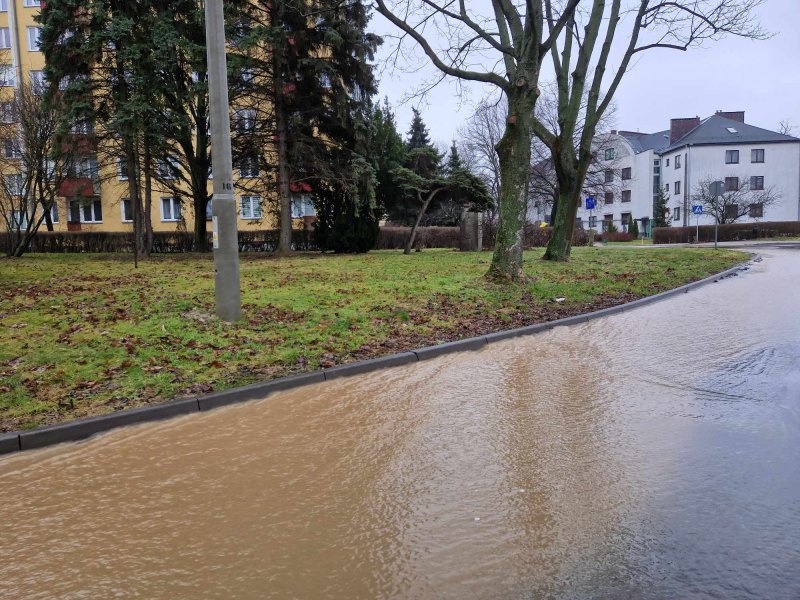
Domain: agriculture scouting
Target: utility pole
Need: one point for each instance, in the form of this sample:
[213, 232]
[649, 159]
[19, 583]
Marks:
[223, 208]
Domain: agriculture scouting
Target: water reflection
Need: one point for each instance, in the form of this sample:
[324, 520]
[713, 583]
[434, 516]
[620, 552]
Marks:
[635, 456]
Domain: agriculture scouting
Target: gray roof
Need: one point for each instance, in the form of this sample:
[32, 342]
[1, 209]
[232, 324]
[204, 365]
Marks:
[641, 142]
[716, 130]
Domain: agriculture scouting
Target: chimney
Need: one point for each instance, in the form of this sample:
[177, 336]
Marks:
[613, 132]
[736, 115]
[680, 127]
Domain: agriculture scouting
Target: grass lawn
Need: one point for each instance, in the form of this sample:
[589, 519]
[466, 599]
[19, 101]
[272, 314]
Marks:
[88, 334]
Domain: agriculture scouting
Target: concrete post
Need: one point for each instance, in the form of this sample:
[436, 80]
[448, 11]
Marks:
[471, 231]
[223, 210]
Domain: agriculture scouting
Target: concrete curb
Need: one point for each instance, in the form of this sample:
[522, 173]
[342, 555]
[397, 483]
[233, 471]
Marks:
[81, 429]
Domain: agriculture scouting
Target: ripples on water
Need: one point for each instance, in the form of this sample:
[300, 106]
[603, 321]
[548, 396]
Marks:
[652, 454]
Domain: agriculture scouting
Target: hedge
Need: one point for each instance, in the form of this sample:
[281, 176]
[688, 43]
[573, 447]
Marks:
[534, 236]
[727, 233]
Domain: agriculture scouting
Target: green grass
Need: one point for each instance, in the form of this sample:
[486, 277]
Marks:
[88, 334]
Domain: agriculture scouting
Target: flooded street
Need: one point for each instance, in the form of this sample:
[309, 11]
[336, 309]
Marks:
[651, 454]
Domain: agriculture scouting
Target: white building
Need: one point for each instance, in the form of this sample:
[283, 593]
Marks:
[724, 148]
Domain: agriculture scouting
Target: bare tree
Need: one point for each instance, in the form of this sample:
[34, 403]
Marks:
[503, 46]
[480, 137]
[580, 58]
[745, 196]
[34, 162]
[785, 127]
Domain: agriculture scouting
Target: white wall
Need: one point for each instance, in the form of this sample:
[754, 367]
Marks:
[781, 169]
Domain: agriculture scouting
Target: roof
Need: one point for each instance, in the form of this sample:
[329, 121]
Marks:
[641, 142]
[717, 129]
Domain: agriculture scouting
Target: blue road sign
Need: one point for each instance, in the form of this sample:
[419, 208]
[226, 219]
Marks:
[697, 209]
[589, 203]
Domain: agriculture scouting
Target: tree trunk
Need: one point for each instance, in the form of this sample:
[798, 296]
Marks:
[148, 204]
[200, 221]
[413, 236]
[282, 141]
[514, 152]
[560, 245]
[134, 192]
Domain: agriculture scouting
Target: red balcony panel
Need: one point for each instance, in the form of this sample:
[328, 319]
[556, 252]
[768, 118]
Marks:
[78, 186]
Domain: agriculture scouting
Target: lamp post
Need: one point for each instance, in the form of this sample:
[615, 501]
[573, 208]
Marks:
[223, 208]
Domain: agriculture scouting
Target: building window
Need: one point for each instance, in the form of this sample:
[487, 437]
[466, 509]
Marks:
[666, 188]
[593, 222]
[677, 187]
[37, 82]
[8, 112]
[678, 161]
[609, 198]
[250, 207]
[82, 127]
[86, 168]
[626, 195]
[757, 183]
[13, 184]
[11, 149]
[667, 162]
[731, 157]
[245, 121]
[54, 212]
[731, 184]
[122, 168]
[19, 219]
[757, 156]
[170, 209]
[3, 5]
[611, 154]
[731, 211]
[209, 209]
[86, 211]
[32, 3]
[5, 38]
[248, 167]
[609, 175]
[247, 75]
[607, 221]
[34, 33]
[626, 173]
[676, 214]
[7, 76]
[167, 168]
[127, 210]
[302, 206]
[756, 210]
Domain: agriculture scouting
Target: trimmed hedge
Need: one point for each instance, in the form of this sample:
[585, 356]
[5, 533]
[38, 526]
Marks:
[395, 238]
[613, 236]
[163, 242]
[534, 236]
[732, 232]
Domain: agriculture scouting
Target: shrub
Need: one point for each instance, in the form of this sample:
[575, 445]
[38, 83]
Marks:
[342, 226]
[533, 235]
[731, 232]
[613, 236]
[395, 238]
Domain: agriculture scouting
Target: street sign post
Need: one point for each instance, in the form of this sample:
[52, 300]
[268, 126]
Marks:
[716, 189]
[590, 204]
[697, 210]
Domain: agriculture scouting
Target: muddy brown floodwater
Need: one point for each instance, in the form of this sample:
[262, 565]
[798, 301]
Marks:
[652, 454]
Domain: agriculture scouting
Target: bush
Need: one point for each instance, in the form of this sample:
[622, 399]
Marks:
[613, 236]
[533, 235]
[342, 226]
[395, 238]
[633, 229]
[731, 232]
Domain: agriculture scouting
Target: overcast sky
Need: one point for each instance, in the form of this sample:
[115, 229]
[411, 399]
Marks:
[760, 77]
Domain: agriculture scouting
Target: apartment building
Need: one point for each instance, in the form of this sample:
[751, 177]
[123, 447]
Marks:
[724, 148]
[96, 197]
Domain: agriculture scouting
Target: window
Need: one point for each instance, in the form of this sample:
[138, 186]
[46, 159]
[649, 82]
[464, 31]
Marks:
[756, 210]
[7, 76]
[167, 168]
[626, 173]
[14, 184]
[11, 149]
[656, 163]
[609, 175]
[245, 120]
[34, 33]
[666, 188]
[302, 206]
[731, 157]
[593, 222]
[626, 221]
[250, 207]
[209, 210]
[82, 127]
[3, 5]
[86, 168]
[247, 75]
[667, 162]
[248, 167]
[678, 161]
[756, 183]
[5, 38]
[31, 3]
[757, 156]
[8, 113]
[626, 195]
[54, 212]
[609, 198]
[607, 221]
[731, 130]
[37, 82]
[677, 187]
[127, 210]
[731, 211]
[170, 209]
[676, 214]
[86, 211]
[49, 169]
[731, 184]
[122, 168]
[611, 154]
[19, 219]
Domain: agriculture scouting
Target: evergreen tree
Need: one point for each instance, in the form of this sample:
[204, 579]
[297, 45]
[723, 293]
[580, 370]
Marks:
[660, 209]
[418, 136]
[389, 153]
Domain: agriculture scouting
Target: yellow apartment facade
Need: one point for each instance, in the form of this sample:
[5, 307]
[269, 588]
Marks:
[105, 185]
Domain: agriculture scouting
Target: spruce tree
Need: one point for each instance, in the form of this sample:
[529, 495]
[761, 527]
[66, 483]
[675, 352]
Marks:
[418, 136]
